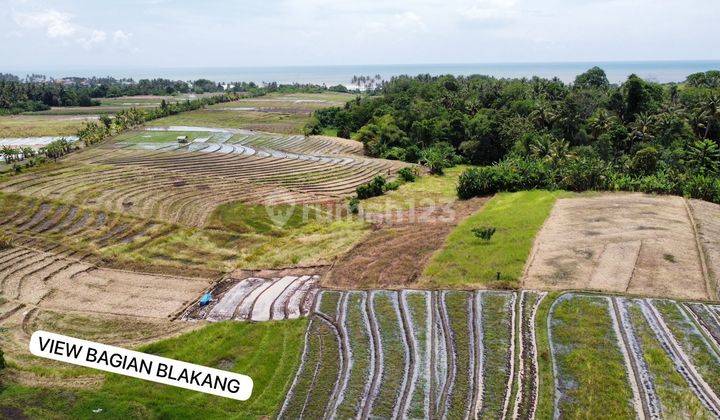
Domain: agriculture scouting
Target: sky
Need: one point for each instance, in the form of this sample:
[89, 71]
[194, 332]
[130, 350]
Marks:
[214, 33]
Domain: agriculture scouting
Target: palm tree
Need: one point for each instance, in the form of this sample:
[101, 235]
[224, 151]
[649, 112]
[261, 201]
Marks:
[642, 127]
[712, 107]
[543, 116]
[600, 123]
[703, 156]
[698, 120]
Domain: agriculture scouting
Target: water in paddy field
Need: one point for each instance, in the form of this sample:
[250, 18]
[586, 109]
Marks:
[617, 71]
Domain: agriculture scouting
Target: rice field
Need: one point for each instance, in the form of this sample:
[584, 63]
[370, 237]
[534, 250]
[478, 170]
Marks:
[157, 178]
[482, 354]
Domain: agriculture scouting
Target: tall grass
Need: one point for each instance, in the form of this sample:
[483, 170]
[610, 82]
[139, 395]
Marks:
[466, 261]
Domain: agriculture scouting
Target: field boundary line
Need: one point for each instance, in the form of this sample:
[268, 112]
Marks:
[710, 289]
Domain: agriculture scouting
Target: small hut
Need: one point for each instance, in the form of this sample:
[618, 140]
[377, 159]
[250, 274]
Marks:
[182, 139]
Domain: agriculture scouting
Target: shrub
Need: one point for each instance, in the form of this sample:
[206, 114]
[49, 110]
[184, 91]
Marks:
[354, 205]
[582, 174]
[512, 174]
[484, 233]
[438, 157]
[408, 174]
[374, 188]
[703, 187]
[5, 242]
[392, 186]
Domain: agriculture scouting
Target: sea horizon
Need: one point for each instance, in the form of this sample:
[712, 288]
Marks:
[662, 71]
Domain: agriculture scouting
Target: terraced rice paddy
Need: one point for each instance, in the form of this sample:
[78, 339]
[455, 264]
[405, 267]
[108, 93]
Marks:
[65, 281]
[458, 354]
[185, 185]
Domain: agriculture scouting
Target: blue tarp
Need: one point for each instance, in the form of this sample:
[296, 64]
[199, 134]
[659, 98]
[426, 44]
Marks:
[205, 299]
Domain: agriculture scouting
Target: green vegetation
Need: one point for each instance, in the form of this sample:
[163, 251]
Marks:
[589, 135]
[391, 337]
[695, 344]
[329, 303]
[312, 244]
[158, 136]
[458, 307]
[315, 381]
[466, 262]
[677, 399]
[243, 218]
[427, 190]
[546, 377]
[418, 308]
[360, 347]
[38, 126]
[496, 341]
[267, 352]
[592, 377]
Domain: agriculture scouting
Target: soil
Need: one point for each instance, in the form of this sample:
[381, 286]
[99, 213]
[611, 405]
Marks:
[395, 253]
[627, 243]
[707, 219]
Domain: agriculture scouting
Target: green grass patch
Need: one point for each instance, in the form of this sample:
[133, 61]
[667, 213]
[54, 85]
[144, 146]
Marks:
[467, 261]
[268, 352]
[243, 218]
[496, 322]
[329, 302]
[417, 303]
[459, 308]
[393, 355]
[592, 378]
[701, 353]
[159, 136]
[426, 191]
[546, 378]
[312, 392]
[360, 374]
[38, 126]
[312, 244]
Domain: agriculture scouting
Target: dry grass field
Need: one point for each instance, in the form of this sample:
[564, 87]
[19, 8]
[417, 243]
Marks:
[625, 243]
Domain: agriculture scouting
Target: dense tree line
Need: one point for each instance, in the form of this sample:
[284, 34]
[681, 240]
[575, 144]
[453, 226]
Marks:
[35, 93]
[38, 93]
[589, 134]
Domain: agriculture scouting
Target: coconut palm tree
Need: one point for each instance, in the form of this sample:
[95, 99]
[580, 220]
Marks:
[703, 157]
[600, 123]
[543, 116]
[712, 108]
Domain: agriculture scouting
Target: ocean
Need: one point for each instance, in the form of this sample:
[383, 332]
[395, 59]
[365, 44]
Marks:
[617, 71]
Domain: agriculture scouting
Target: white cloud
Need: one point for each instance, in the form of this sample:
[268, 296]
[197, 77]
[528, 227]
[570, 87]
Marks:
[60, 25]
[488, 10]
[94, 38]
[55, 24]
[121, 37]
